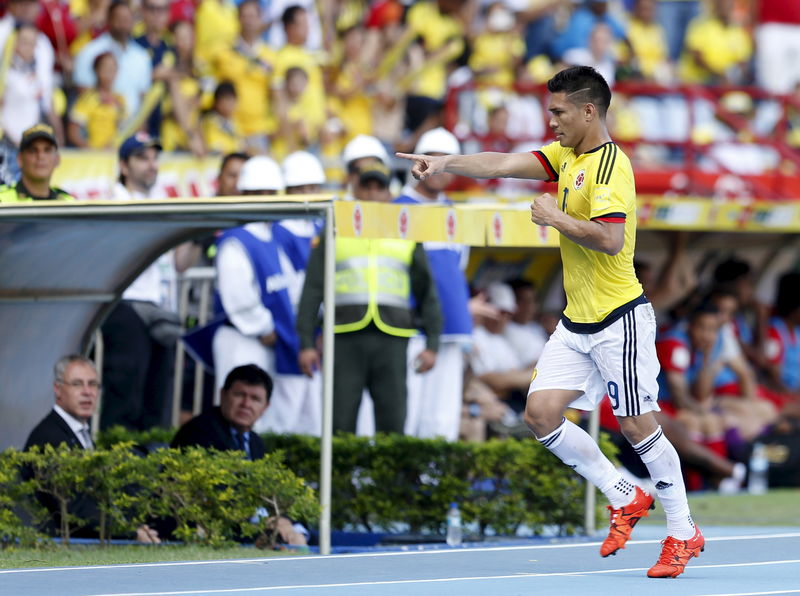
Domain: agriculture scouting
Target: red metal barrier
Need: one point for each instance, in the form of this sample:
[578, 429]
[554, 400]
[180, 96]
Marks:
[695, 167]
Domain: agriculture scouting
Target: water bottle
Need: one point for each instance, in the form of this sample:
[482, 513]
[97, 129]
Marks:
[757, 483]
[453, 525]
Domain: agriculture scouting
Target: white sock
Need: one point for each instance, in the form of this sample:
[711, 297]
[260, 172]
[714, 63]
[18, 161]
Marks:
[572, 445]
[664, 465]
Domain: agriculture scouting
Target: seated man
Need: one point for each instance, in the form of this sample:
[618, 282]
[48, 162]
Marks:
[244, 397]
[77, 391]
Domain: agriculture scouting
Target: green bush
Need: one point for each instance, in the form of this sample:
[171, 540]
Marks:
[16, 500]
[391, 482]
[212, 496]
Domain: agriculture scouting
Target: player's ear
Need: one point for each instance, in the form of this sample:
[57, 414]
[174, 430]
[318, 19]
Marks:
[589, 111]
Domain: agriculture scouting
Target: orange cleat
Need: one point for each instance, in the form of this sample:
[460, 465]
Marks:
[675, 554]
[623, 520]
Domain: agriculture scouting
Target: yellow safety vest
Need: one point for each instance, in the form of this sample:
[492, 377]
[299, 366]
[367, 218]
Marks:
[18, 194]
[373, 285]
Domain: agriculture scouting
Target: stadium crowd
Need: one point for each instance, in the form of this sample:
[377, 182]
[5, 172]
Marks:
[310, 95]
[218, 76]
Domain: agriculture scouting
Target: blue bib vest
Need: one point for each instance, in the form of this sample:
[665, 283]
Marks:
[444, 260]
[272, 284]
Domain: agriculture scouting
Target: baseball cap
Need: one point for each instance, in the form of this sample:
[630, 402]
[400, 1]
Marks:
[438, 140]
[364, 146]
[301, 168]
[375, 171]
[137, 143]
[501, 296]
[260, 173]
[38, 131]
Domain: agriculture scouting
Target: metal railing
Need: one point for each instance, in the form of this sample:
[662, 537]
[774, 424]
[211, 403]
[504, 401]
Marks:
[200, 279]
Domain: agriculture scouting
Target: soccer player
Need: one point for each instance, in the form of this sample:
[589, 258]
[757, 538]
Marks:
[605, 341]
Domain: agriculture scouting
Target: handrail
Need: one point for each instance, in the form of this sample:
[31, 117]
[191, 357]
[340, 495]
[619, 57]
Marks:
[773, 184]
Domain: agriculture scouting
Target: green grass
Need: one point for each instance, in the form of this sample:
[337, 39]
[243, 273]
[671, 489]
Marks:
[776, 508]
[57, 556]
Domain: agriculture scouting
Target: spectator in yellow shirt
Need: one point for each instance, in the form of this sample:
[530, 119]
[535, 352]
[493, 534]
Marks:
[180, 125]
[216, 28]
[350, 100]
[650, 55]
[219, 128]
[249, 64]
[295, 55]
[441, 38]
[95, 118]
[717, 49]
[497, 51]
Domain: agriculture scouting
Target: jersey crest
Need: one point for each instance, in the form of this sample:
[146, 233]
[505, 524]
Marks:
[579, 179]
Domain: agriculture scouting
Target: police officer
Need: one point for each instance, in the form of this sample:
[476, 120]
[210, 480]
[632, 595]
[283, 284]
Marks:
[374, 319]
[37, 158]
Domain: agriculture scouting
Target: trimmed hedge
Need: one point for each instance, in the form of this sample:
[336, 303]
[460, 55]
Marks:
[212, 496]
[393, 482]
[385, 483]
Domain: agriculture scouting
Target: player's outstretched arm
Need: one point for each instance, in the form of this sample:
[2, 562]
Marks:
[478, 165]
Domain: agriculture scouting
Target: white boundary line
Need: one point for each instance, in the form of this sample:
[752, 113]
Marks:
[387, 554]
[755, 593]
[450, 580]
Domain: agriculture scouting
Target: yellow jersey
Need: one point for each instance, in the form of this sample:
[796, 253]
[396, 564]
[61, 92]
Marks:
[597, 185]
[249, 68]
[721, 46]
[99, 118]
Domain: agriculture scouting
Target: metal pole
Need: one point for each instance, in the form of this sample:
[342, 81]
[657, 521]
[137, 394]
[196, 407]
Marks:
[98, 362]
[202, 319]
[326, 449]
[180, 354]
[591, 490]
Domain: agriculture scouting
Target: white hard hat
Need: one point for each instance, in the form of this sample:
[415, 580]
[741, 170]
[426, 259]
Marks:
[260, 173]
[364, 146]
[438, 140]
[301, 168]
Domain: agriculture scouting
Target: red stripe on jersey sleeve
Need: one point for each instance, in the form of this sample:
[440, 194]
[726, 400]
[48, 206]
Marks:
[611, 218]
[551, 172]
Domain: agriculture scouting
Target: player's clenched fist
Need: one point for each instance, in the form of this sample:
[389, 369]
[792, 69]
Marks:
[543, 208]
[425, 166]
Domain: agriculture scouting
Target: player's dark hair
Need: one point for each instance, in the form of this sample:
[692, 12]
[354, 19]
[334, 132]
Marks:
[582, 84]
[249, 374]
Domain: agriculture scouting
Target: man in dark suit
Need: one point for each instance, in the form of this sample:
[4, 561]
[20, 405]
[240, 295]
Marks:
[244, 397]
[77, 390]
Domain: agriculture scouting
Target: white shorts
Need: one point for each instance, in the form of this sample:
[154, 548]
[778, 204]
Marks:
[619, 361]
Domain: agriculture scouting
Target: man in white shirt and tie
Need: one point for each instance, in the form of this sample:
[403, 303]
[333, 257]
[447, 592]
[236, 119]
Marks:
[77, 391]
